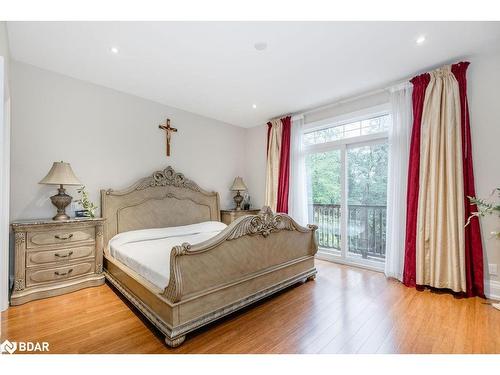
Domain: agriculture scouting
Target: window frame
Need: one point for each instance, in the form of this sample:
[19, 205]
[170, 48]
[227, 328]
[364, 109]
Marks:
[343, 145]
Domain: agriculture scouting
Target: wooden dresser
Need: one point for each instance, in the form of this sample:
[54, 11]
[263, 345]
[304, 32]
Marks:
[228, 216]
[56, 257]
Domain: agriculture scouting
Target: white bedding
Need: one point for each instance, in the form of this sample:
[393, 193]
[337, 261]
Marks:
[147, 251]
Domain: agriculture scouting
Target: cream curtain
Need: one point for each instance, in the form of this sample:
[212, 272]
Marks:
[440, 249]
[273, 163]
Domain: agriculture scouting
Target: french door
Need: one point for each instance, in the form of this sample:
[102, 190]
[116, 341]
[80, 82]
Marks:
[347, 195]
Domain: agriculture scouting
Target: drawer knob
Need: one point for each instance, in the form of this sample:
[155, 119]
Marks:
[63, 256]
[64, 238]
[57, 273]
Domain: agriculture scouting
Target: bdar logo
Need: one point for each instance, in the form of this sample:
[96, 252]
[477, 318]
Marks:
[23, 346]
[8, 347]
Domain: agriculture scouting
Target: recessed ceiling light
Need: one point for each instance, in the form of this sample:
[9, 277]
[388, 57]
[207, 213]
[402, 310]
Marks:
[254, 106]
[260, 46]
[114, 50]
[420, 39]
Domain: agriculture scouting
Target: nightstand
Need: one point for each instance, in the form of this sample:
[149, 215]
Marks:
[56, 257]
[228, 216]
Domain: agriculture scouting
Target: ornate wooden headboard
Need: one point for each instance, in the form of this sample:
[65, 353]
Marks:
[164, 199]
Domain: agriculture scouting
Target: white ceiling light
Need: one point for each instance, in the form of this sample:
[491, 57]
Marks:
[254, 106]
[260, 46]
[420, 39]
[114, 50]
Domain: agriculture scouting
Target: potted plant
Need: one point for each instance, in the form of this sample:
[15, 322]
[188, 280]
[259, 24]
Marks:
[487, 208]
[88, 207]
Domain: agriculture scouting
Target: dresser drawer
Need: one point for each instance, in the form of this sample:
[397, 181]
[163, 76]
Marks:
[59, 237]
[62, 255]
[41, 276]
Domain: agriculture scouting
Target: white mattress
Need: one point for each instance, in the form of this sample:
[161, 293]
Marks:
[147, 251]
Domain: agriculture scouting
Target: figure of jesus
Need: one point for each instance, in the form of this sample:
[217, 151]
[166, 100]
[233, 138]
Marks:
[168, 133]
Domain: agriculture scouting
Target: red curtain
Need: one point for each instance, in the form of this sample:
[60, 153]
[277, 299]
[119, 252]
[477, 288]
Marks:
[420, 84]
[473, 244]
[284, 175]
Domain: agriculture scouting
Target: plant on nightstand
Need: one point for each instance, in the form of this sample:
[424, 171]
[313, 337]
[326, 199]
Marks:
[88, 206]
[487, 208]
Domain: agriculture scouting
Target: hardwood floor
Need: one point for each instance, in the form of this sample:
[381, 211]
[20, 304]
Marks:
[345, 310]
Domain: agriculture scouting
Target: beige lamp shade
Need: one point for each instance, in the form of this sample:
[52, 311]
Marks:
[60, 174]
[238, 184]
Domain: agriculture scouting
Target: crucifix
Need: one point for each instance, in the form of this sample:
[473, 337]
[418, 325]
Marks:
[168, 133]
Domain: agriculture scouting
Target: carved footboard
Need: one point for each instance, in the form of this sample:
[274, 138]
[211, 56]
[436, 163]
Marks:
[250, 246]
[252, 258]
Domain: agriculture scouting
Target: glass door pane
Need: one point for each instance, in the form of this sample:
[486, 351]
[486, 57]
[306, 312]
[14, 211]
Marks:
[323, 172]
[366, 201]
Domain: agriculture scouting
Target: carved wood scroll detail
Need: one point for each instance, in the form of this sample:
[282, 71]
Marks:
[99, 230]
[20, 238]
[265, 223]
[99, 269]
[19, 284]
[168, 177]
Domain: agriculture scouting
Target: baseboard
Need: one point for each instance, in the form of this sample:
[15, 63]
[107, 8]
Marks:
[492, 289]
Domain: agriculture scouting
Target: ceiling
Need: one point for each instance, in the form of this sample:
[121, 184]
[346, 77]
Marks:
[213, 68]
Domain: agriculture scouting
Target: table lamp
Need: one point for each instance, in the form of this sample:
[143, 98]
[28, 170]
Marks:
[61, 174]
[238, 185]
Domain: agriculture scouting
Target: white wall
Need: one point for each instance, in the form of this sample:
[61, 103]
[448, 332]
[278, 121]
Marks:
[5, 53]
[255, 164]
[111, 139]
[484, 102]
[4, 165]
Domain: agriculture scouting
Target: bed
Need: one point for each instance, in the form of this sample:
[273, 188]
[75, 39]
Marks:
[168, 253]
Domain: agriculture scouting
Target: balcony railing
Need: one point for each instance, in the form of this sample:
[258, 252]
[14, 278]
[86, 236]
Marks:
[366, 227]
